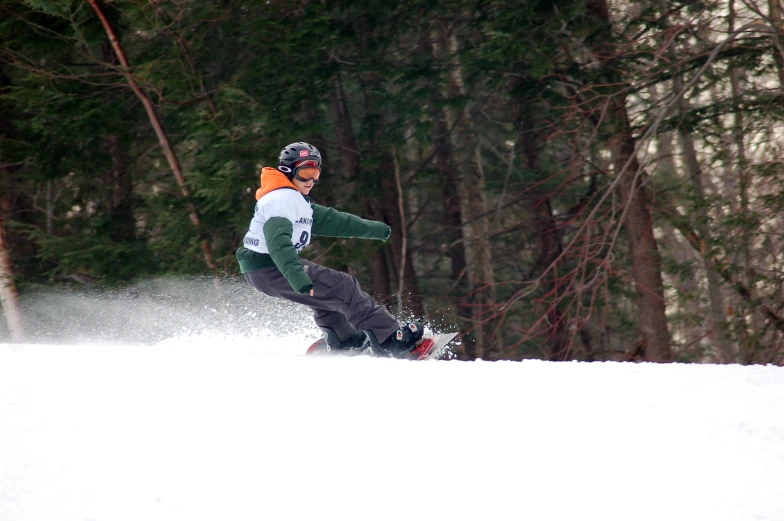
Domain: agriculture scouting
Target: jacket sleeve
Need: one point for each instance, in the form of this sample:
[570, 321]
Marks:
[329, 222]
[277, 232]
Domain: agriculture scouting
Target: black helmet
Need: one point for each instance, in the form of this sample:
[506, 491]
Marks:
[294, 156]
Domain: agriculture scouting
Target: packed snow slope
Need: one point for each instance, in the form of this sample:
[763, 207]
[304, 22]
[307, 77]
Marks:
[239, 425]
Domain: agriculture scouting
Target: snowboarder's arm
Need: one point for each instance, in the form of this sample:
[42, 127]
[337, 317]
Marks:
[277, 232]
[329, 222]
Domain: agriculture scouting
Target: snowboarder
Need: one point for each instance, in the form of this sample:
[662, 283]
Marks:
[283, 223]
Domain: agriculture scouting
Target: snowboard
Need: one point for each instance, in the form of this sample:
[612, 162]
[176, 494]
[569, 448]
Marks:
[430, 348]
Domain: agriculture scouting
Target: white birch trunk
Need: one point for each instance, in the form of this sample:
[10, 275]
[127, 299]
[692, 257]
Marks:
[718, 312]
[471, 192]
[744, 184]
[9, 297]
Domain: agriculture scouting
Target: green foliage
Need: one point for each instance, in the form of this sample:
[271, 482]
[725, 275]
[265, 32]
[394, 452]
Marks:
[232, 81]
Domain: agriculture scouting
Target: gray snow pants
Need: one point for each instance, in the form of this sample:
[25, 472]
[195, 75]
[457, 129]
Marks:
[338, 302]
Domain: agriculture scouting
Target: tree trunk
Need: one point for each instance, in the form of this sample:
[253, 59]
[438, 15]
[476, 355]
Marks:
[350, 158]
[471, 192]
[379, 269]
[346, 140]
[741, 171]
[9, 297]
[388, 201]
[118, 179]
[666, 169]
[718, 314]
[682, 225]
[774, 14]
[646, 263]
[412, 295]
[547, 239]
[453, 235]
[9, 190]
[717, 306]
[120, 186]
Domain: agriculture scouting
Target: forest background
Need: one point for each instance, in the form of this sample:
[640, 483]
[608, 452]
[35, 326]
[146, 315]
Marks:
[568, 179]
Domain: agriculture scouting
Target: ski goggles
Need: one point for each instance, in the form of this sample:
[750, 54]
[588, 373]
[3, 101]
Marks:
[308, 163]
[306, 179]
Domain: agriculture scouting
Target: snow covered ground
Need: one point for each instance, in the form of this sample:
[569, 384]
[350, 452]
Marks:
[239, 426]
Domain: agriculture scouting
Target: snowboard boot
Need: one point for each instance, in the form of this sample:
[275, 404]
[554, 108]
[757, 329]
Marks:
[352, 343]
[403, 341]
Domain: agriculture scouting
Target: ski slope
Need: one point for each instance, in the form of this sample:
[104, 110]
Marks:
[231, 422]
[208, 430]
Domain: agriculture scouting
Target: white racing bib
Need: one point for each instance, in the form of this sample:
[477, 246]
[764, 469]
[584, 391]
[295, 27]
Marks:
[285, 203]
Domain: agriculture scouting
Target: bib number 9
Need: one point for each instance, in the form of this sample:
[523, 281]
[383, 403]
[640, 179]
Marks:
[303, 241]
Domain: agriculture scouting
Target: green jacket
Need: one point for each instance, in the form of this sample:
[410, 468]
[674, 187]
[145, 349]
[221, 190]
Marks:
[327, 222]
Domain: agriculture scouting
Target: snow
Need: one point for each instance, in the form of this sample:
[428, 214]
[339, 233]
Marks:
[222, 425]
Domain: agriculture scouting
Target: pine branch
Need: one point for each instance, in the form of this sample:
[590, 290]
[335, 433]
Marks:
[157, 124]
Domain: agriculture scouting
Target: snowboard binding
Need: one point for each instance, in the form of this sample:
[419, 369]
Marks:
[331, 343]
